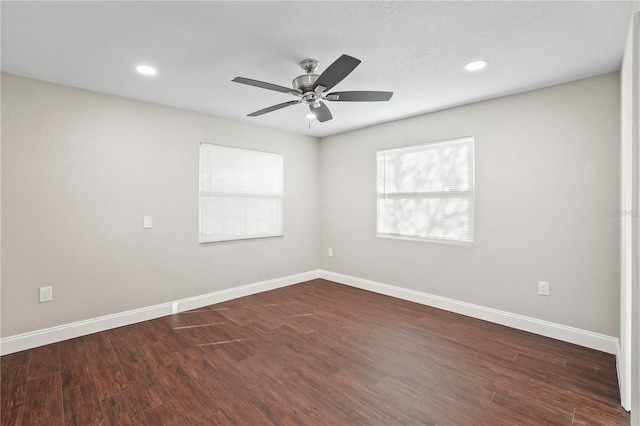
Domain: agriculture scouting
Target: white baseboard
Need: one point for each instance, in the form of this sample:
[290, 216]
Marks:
[565, 333]
[623, 379]
[59, 333]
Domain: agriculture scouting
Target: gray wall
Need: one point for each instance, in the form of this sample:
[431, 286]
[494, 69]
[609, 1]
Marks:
[547, 177]
[81, 169]
[79, 172]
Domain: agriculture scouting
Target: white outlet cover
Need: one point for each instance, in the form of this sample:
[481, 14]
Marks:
[147, 222]
[543, 288]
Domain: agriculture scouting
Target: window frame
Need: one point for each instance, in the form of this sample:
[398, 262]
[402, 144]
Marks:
[421, 195]
[280, 196]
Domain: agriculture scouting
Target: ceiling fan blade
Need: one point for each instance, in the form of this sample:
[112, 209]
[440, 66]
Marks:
[360, 96]
[273, 108]
[321, 112]
[336, 72]
[268, 86]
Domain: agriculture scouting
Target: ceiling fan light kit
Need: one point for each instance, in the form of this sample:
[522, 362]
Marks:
[311, 88]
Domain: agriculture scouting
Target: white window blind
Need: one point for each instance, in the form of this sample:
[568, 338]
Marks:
[241, 193]
[426, 192]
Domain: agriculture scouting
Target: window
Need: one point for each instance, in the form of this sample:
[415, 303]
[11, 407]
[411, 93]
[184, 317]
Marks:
[240, 193]
[426, 192]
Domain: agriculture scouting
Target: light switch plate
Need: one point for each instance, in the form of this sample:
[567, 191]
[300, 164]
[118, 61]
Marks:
[147, 223]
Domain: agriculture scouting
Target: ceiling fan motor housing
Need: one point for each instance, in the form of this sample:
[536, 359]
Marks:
[305, 82]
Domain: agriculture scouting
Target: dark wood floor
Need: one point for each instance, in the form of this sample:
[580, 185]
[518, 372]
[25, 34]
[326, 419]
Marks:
[316, 353]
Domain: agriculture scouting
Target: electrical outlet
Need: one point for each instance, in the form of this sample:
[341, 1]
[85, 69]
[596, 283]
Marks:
[543, 288]
[330, 252]
[46, 294]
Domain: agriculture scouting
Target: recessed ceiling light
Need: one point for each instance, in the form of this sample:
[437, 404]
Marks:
[476, 65]
[146, 70]
[310, 115]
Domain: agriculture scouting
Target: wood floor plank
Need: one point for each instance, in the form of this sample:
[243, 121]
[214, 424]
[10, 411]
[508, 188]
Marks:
[194, 402]
[141, 333]
[218, 419]
[43, 400]
[82, 406]
[133, 362]
[78, 372]
[109, 378]
[312, 353]
[122, 409]
[150, 395]
[158, 356]
[15, 360]
[44, 361]
[369, 403]
[13, 386]
[167, 413]
[143, 380]
[196, 317]
[542, 410]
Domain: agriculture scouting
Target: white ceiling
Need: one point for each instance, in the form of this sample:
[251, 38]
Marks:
[415, 49]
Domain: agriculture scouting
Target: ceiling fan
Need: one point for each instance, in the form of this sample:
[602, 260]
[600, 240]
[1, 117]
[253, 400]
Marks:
[311, 88]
